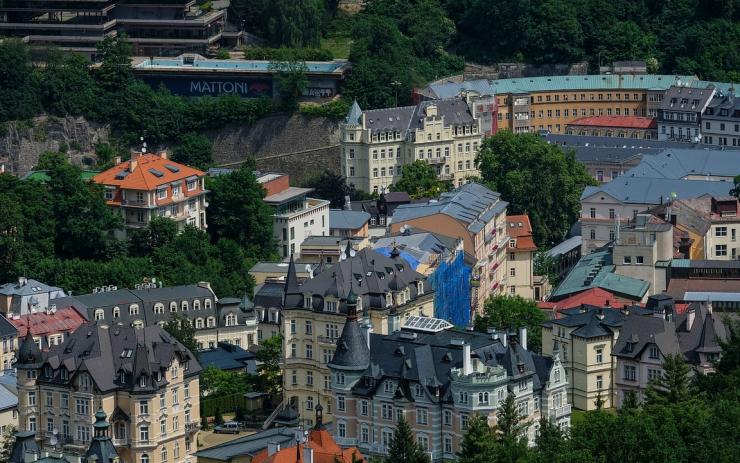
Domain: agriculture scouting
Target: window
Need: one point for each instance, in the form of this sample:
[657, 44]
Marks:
[365, 434]
[133, 309]
[512, 272]
[82, 406]
[654, 352]
[592, 212]
[523, 384]
[523, 408]
[388, 386]
[144, 433]
[341, 430]
[463, 421]
[422, 416]
[423, 441]
[363, 407]
[720, 250]
[231, 320]
[627, 259]
[386, 411]
[309, 327]
[309, 351]
[599, 355]
[294, 377]
[592, 233]
[483, 398]
[447, 418]
[611, 214]
[463, 397]
[162, 401]
[65, 400]
[294, 350]
[599, 382]
[175, 396]
[31, 399]
[340, 403]
[720, 231]
[447, 444]
[653, 374]
[630, 373]
[163, 427]
[144, 458]
[143, 407]
[175, 423]
[163, 454]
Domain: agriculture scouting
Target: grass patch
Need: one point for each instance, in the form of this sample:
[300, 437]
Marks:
[338, 45]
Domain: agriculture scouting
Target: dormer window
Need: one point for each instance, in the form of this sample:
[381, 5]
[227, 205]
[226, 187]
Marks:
[173, 306]
[116, 312]
[122, 377]
[48, 372]
[307, 302]
[142, 381]
[420, 287]
[133, 309]
[628, 347]
[331, 306]
[64, 373]
[207, 304]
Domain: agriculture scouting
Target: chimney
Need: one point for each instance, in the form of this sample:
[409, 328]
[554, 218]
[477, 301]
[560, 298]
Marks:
[668, 313]
[347, 203]
[709, 307]
[690, 316]
[117, 160]
[134, 162]
[367, 329]
[272, 448]
[22, 281]
[523, 337]
[163, 154]
[607, 304]
[467, 362]
[503, 337]
[307, 454]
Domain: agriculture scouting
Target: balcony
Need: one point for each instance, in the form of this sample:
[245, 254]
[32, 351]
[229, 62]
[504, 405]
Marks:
[560, 411]
[120, 441]
[346, 441]
[327, 339]
[192, 427]
[436, 160]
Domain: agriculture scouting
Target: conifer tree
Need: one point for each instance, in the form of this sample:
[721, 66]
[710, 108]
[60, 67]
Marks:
[404, 448]
[673, 385]
[478, 443]
[511, 432]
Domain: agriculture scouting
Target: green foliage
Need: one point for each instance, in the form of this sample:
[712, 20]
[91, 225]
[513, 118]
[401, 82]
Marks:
[287, 23]
[6, 445]
[161, 231]
[332, 187]
[673, 385]
[513, 312]
[114, 71]
[419, 180]
[217, 383]
[19, 98]
[223, 54]
[479, 443]
[403, 447]
[194, 150]
[335, 109]
[292, 81]
[218, 418]
[182, 329]
[237, 212]
[513, 165]
[287, 54]
[269, 376]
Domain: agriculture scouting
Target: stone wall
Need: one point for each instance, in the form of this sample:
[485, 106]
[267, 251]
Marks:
[22, 143]
[293, 144]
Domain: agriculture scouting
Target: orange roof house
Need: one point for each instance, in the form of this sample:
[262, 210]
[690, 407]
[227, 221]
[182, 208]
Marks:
[521, 280]
[319, 447]
[150, 185]
[49, 327]
[520, 230]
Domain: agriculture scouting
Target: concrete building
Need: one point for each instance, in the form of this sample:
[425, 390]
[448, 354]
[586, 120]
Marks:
[149, 185]
[584, 337]
[614, 126]
[477, 216]
[437, 377]
[675, 173]
[158, 28]
[520, 261]
[296, 216]
[708, 281]
[244, 448]
[691, 222]
[721, 120]
[388, 291]
[23, 296]
[381, 210]
[679, 116]
[376, 144]
[144, 380]
[644, 342]
[232, 320]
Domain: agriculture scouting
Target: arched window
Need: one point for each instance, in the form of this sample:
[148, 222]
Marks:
[163, 453]
[158, 308]
[116, 312]
[184, 306]
[138, 324]
[99, 314]
[207, 304]
[199, 322]
[133, 309]
[196, 304]
[144, 458]
[173, 306]
[230, 319]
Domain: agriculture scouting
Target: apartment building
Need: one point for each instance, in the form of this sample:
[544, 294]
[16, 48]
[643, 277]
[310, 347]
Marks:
[50, 327]
[157, 28]
[149, 185]
[645, 128]
[388, 291]
[26, 294]
[691, 220]
[376, 144]
[231, 320]
[8, 402]
[477, 216]
[680, 112]
[585, 338]
[9, 336]
[296, 216]
[349, 223]
[437, 377]
[520, 260]
[721, 120]
[144, 380]
[644, 342]
[674, 173]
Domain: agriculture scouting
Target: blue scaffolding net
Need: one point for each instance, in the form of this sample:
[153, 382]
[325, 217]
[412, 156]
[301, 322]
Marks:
[451, 284]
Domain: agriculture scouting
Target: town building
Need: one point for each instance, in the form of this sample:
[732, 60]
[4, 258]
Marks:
[349, 223]
[49, 327]
[614, 126]
[144, 380]
[8, 401]
[215, 320]
[376, 144]
[564, 256]
[243, 449]
[296, 216]
[228, 357]
[708, 281]
[150, 185]
[381, 209]
[520, 261]
[675, 173]
[26, 294]
[584, 337]
[679, 115]
[437, 377]
[644, 342]
[724, 222]
[159, 28]
[9, 336]
[721, 120]
[691, 222]
[317, 446]
[477, 216]
[263, 270]
[325, 250]
[313, 312]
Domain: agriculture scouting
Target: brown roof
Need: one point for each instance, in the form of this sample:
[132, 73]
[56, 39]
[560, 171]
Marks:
[678, 287]
[150, 171]
[621, 122]
[519, 228]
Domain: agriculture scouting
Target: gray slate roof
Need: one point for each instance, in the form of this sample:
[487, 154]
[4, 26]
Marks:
[406, 119]
[347, 220]
[643, 190]
[8, 399]
[28, 288]
[592, 321]
[685, 99]
[471, 203]
[453, 89]
[723, 107]
[676, 163]
[250, 445]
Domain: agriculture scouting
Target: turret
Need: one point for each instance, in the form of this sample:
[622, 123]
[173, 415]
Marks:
[101, 448]
[352, 353]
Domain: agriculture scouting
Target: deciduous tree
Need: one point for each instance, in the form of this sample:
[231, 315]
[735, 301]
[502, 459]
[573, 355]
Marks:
[513, 312]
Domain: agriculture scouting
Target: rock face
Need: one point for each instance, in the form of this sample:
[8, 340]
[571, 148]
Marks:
[296, 145]
[21, 143]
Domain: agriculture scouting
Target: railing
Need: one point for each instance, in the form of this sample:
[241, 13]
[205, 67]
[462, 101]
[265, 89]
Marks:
[346, 441]
[327, 339]
[272, 416]
[436, 160]
[192, 427]
[120, 441]
[560, 411]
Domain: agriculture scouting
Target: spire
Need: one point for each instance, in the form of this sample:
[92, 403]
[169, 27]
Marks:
[292, 296]
[354, 116]
[101, 448]
[352, 352]
[351, 305]
[319, 417]
[101, 425]
[29, 354]
[395, 253]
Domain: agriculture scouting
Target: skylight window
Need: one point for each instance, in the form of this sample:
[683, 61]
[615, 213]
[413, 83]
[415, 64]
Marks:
[156, 173]
[172, 168]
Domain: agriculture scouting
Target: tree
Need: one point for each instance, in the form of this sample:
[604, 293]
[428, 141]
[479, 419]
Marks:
[218, 383]
[237, 212]
[114, 72]
[6, 446]
[193, 150]
[269, 376]
[217, 417]
[510, 432]
[419, 180]
[478, 443]
[513, 312]
[182, 329]
[332, 187]
[18, 86]
[160, 232]
[292, 81]
[513, 165]
[403, 447]
[673, 385]
[67, 87]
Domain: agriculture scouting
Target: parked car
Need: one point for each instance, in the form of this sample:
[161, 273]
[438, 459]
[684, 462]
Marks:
[230, 427]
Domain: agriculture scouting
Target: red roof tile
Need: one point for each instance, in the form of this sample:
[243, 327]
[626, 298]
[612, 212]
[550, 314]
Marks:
[325, 450]
[520, 228]
[64, 320]
[621, 122]
[593, 296]
[142, 177]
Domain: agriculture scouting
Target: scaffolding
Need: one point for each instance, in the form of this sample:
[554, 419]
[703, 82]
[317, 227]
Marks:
[451, 284]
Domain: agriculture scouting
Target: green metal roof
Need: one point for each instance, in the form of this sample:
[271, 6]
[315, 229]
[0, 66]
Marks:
[43, 176]
[598, 82]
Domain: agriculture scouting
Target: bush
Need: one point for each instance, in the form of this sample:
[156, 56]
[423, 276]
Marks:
[223, 54]
[336, 109]
[287, 54]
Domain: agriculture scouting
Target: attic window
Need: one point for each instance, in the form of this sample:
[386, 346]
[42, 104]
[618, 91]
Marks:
[142, 381]
[122, 376]
[126, 353]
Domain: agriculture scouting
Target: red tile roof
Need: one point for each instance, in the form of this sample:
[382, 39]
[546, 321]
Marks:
[520, 228]
[63, 320]
[621, 122]
[325, 450]
[142, 177]
[593, 296]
